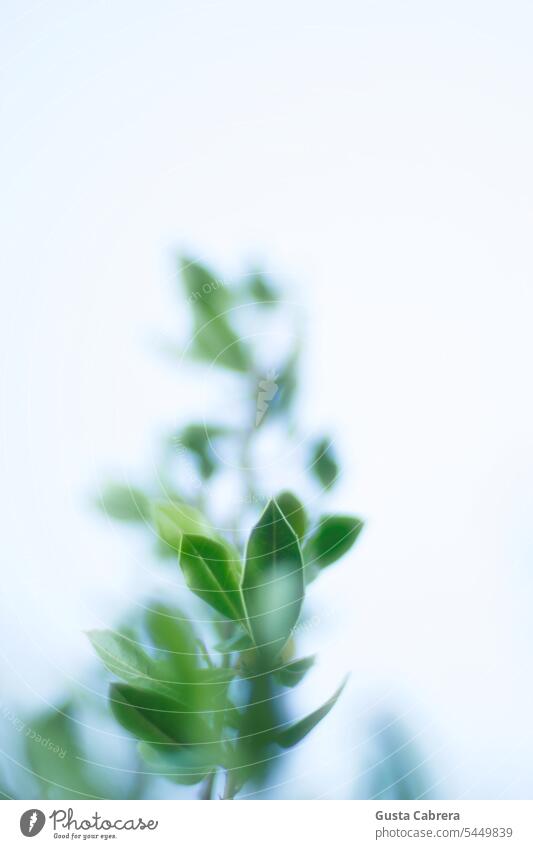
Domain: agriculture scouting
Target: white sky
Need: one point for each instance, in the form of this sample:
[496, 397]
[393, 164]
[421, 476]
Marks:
[378, 155]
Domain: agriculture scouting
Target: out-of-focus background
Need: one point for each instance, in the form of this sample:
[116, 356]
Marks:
[376, 159]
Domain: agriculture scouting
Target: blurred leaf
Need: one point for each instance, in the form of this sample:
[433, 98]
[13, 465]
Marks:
[294, 511]
[295, 733]
[213, 571]
[330, 540]
[172, 519]
[155, 718]
[398, 769]
[273, 585]
[186, 765]
[294, 672]
[214, 339]
[173, 634]
[199, 439]
[323, 464]
[122, 656]
[126, 503]
[201, 284]
[55, 756]
[261, 289]
[237, 642]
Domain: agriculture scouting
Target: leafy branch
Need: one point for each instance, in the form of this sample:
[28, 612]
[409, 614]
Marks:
[208, 704]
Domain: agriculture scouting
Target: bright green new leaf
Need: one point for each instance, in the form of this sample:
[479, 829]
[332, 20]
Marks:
[330, 540]
[295, 733]
[323, 464]
[126, 503]
[293, 510]
[213, 571]
[293, 672]
[121, 655]
[273, 585]
[173, 519]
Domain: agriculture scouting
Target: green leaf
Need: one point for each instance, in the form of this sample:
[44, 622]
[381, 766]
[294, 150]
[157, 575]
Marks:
[261, 289]
[126, 503]
[201, 284]
[174, 636]
[54, 754]
[122, 656]
[294, 512]
[186, 765]
[323, 463]
[330, 540]
[199, 440]
[291, 674]
[295, 733]
[154, 717]
[213, 571]
[236, 643]
[273, 585]
[173, 519]
[214, 339]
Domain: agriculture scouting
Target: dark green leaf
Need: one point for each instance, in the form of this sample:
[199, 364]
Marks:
[126, 503]
[155, 718]
[323, 464]
[213, 571]
[273, 585]
[294, 512]
[293, 672]
[331, 539]
[295, 733]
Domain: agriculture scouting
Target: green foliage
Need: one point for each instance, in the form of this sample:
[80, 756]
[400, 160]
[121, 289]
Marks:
[296, 732]
[397, 769]
[200, 440]
[330, 540]
[324, 465]
[126, 503]
[294, 512]
[292, 673]
[213, 571]
[214, 339]
[210, 694]
[273, 584]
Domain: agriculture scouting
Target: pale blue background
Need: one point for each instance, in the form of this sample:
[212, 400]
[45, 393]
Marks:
[378, 156]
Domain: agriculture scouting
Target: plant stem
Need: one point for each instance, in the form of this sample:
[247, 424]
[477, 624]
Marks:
[206, 789]
[229, 786]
